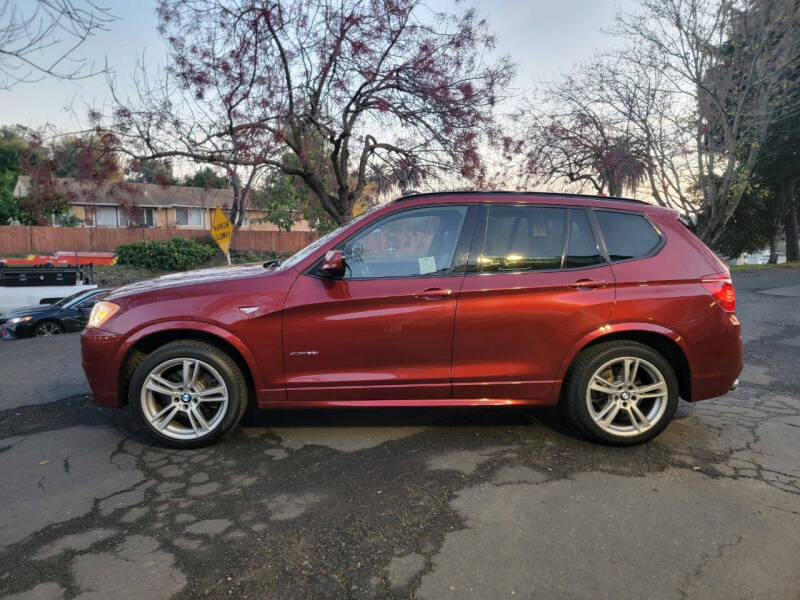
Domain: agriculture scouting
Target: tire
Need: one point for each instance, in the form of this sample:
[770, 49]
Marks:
[47, 328]
[620, 409]
[178, 413]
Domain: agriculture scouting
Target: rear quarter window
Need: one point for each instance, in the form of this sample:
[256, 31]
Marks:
[627, 235]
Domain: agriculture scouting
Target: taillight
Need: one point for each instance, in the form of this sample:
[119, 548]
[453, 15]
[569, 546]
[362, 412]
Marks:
[721, 289]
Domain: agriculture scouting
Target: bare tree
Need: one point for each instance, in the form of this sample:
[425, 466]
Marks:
[572, 132]
[381, 88]
[42, 39]
[614, 124]
[724, 63]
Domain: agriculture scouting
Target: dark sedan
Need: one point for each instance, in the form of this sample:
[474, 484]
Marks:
[68, 315]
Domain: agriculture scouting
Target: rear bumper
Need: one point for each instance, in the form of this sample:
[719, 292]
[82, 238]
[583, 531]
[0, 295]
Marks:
[98, 351]
[717, 358]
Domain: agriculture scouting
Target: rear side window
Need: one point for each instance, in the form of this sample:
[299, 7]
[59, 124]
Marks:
[627, 235]
[582, 248]
[523, 238]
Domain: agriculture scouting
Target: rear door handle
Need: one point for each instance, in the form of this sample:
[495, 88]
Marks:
[433, 293]
[586, 284]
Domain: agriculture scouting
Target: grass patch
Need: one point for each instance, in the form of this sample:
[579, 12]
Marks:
[788, 265]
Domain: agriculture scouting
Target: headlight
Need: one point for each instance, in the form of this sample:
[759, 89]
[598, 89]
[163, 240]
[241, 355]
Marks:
[19, 319]
[101, 312]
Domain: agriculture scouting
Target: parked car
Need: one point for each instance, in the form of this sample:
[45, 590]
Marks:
[39, 284]
[68, 315]
[610, 308]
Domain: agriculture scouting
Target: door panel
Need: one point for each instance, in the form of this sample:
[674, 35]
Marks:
[369, 339]
[385, 330]
[513, 329]
[518, 318]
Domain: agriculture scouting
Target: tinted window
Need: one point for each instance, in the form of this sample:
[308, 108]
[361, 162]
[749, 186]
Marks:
[92, 300]
[410, 243]
[627, 235]
[523, 238]
[582, 248]
[68, 299]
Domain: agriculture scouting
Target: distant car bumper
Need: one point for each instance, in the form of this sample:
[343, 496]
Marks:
[98, 349]
[15, 331]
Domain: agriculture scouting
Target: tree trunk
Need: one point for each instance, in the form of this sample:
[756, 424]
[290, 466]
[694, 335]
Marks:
[790, 228]
[773, 249]
[234, 212]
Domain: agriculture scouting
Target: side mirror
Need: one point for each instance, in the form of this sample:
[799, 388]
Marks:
[333, 264]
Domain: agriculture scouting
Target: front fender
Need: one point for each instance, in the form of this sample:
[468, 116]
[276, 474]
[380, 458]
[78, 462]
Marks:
[193, 325]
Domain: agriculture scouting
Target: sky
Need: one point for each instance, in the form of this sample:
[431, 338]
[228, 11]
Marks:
[544, 37]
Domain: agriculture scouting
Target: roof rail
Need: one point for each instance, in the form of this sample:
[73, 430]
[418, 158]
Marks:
[508, 193]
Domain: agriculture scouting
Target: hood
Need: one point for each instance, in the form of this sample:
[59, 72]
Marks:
[172, 280]
[27, 310]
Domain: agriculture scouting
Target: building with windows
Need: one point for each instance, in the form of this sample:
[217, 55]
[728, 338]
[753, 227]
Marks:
[124, 204]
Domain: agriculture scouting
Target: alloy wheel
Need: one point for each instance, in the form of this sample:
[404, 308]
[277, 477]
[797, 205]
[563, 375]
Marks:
[627, 396]
[184, 398]
[47, 329]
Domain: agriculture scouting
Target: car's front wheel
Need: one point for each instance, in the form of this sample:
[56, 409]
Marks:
[621, 393]
[47, 328]
[187, 394]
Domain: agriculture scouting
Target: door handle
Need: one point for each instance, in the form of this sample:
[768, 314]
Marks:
[433, 293]
[586, 284]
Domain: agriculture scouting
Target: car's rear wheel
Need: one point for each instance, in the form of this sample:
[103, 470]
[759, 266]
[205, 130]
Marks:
[621, 393]
[47, 328]
[187, 394]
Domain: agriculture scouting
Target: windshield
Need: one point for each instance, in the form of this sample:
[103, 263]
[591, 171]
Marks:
[64, 301]
[302, 254]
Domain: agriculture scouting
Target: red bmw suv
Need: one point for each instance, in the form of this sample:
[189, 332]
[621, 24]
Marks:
[609, 308]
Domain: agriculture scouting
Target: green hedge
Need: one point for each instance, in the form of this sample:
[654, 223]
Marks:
[176, 254]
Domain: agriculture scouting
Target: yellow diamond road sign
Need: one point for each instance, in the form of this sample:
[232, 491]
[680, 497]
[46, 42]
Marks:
[221, 230]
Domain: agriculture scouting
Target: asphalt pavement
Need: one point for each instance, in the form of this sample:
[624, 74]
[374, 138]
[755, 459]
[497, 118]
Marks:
[399, 503]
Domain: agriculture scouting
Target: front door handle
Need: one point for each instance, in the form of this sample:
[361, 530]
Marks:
[433, 293]
[586, 284]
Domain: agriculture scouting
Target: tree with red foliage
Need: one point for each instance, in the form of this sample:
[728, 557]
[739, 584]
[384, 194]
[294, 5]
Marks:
[90, 161]
[381, 88]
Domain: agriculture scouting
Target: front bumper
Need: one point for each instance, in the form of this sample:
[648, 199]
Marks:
[98, 352]
[15, 331]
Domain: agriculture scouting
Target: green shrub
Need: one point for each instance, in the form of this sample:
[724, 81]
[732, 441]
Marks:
[176, 254]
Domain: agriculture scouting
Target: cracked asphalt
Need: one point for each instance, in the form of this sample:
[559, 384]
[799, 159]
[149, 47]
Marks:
[400, 503]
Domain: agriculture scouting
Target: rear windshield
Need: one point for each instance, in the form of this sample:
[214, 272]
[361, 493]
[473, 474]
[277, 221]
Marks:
[627, 235]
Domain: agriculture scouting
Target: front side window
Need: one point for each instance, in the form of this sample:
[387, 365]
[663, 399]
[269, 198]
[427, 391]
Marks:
[189, 217]
[627, 235]
[523, 238]
[321, 241]
[410, 243]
